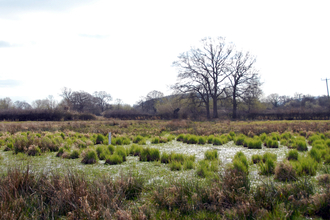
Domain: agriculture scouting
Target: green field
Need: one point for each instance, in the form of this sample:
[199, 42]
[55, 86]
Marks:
[165, 169]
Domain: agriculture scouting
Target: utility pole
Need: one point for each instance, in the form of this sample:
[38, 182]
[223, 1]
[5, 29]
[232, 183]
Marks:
[326, 80]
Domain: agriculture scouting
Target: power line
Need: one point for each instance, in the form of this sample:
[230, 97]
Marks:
[326, 80]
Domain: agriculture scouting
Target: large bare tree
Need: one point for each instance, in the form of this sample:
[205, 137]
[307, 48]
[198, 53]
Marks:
[203, 70]
[243, 77]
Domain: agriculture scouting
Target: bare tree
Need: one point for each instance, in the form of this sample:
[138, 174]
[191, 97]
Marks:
[6, 103]
[102, 100]
[274, 99]
[243, 77]
[22, 105]
[203, 70]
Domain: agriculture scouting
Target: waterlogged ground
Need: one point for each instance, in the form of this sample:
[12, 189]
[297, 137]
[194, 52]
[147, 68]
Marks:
[154, 171]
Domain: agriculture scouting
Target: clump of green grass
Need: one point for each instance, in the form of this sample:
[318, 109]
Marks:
[192, 139]
[165, 158]
[315, 154]
[267, 168]
[256, 158]
[188, 165]
[254, 143]
[305, 166]
[180, 137]
[75, 154]
[121, 151]
[211, 155]
[271, 143]
[155, 140]
[90, 157]
[150, 154]
[292, 155]
[114, 159]
[202, 140]
[100, 139]
[240, 162]
[218, 141]
[300, 145]
[135, 150]
[269, 155]
[175, 166]
[240, 139]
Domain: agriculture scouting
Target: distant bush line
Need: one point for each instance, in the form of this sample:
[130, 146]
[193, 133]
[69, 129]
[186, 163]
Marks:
[43, 115]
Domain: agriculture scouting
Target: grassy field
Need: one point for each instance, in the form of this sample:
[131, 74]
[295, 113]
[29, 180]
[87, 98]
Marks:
[165, 170]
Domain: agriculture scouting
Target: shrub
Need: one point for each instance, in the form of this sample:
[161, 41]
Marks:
[256, 158]
[33, 151]
[285, 172]
[211, 155]
[114, 159]
[174, 165]
[90, 157]
[292, 155]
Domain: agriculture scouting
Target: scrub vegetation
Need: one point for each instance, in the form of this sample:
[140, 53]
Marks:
[165, 170]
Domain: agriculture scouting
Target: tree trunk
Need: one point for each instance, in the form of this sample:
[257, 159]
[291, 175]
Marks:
[208, 110]
[234, 107]
[215, 107]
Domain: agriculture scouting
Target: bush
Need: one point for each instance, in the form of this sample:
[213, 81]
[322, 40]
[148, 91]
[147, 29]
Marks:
[90, 157]
[174, 165]
[285, 172]
[293, 155]
[211, 155]
[114, 159]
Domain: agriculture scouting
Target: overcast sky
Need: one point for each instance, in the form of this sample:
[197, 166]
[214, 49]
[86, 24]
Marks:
[126, 48]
